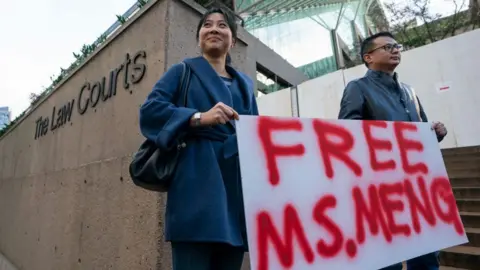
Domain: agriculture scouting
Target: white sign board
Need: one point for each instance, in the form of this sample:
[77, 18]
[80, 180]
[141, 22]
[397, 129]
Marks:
[340, 194]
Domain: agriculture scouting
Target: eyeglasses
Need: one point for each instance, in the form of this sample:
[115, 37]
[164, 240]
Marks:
[389, 47]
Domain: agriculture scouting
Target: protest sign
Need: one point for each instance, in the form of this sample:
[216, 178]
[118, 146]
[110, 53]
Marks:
[342, 194]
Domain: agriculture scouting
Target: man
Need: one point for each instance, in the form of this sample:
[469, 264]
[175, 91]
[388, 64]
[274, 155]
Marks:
[380, 96]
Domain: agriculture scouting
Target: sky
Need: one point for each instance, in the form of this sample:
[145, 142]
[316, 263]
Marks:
[39, 37]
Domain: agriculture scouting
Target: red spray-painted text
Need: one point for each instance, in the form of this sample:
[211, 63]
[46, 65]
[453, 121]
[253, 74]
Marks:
[375, 207]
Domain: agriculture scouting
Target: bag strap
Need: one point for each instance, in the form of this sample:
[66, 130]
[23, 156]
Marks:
[184, 84]
[417, 105]
[413, 96]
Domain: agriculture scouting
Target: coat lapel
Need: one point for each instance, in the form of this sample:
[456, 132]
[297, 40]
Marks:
[245, 89]
[214, 85]
[216, 88]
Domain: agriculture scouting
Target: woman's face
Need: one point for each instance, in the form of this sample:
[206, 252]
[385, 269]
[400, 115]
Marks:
[215, 37]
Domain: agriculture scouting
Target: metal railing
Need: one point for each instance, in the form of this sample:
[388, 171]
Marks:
[117, 24]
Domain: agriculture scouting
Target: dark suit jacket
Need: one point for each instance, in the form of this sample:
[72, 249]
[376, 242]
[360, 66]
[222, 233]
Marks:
[379, 96]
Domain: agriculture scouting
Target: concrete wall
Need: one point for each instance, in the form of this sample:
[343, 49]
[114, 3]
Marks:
[275, 104]
[66, 200]
[452, 62]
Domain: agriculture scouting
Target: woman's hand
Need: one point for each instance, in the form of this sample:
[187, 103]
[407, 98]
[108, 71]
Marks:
[219, 114]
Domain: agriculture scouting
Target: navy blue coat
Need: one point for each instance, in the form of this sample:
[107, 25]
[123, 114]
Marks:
[204, 201]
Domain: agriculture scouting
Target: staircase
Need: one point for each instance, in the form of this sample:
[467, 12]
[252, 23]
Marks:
[463, 166]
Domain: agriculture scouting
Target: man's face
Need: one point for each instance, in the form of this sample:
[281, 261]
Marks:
[385, 52]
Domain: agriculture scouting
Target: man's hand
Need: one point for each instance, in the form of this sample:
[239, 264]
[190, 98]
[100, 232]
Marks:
[440, 129]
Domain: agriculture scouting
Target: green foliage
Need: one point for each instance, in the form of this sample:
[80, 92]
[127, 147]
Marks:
[80, 57]
[432, 28]
[7, 127]
[141, 3]
[121, 19]
[35, 98]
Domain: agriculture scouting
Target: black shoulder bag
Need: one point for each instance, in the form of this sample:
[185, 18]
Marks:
[152, 168]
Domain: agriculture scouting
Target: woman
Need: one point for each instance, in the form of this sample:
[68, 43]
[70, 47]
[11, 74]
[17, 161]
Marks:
[205, 220]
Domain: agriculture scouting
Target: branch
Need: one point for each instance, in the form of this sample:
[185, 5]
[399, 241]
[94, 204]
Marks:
[455, 21]
[423, 12]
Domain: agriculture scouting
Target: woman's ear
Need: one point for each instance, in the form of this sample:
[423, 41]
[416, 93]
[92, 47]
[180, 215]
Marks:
[233, 42]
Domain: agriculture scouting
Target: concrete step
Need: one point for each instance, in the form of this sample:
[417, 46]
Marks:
[463, 173]
[450, 268]
[466, 165]
[462, 164]
[441, 267]
[466, 192]
[469, 159]
[454, 155]
[470, 219]
[455, 171]
[457, 151]
[463, 167]
[465, 182]
[468, 205]
[461, 257]
[473, 235]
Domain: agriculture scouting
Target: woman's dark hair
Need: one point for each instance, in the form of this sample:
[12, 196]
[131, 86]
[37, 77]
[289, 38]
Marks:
[229, 19]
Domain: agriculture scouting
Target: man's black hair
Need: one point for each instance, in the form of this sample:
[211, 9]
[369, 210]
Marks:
[369, 43]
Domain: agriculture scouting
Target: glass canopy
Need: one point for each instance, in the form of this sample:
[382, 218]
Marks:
[301, 30]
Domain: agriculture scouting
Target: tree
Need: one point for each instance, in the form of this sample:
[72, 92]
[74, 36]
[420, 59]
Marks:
[35, 98]
[475, 13]
[414, 24]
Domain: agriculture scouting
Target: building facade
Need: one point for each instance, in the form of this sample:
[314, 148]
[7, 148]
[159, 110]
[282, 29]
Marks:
[5, 117]
[315, 36]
